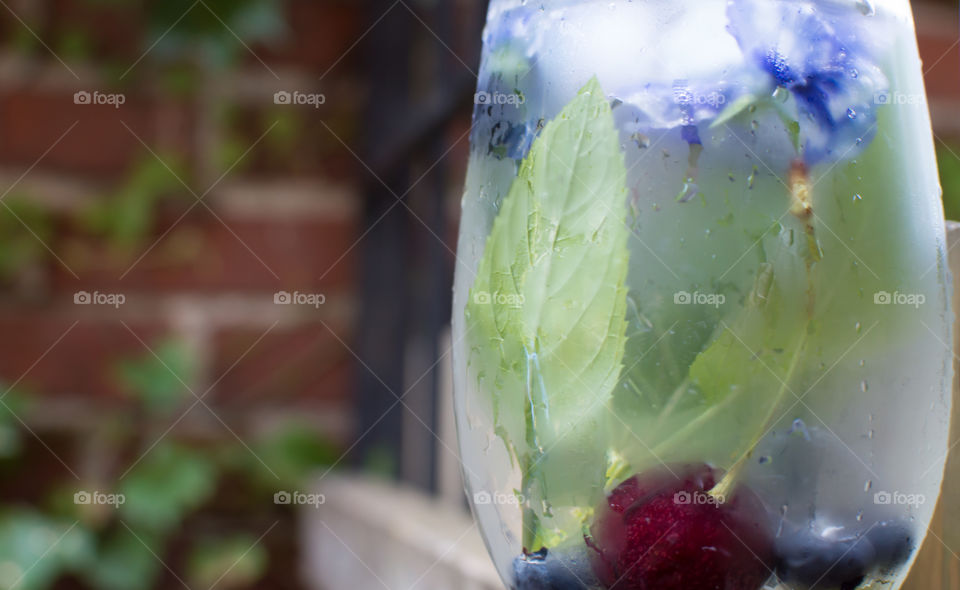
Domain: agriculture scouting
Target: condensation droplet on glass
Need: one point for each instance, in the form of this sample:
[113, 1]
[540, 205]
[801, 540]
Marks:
[864, 386]
[866, 7]
[857, 197]
[858, 327]
[859, 515]
[863, 363]
[851, 114]
[868, 485]
[870, 434]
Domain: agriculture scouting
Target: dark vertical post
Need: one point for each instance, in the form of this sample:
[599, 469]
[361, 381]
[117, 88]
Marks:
[383, 254]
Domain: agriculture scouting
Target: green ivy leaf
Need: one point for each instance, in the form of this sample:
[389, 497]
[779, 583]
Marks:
[165, 486]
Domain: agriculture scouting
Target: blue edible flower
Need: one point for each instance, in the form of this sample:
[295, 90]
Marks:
[823, 53]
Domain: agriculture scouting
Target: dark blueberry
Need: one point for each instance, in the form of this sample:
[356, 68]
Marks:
[892, 541]
[808, 558]
[553, 570]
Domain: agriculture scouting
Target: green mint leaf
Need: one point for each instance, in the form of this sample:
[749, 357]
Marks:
[546, 314]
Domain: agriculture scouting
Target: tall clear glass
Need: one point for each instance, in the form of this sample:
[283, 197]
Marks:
[701, 316]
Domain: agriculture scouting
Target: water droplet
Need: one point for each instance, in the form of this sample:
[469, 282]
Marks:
[864, 386]
[863, 363]
[859, 515]
[641, 140]
[870, 434]
[866, 7]
[752, 178]
[854, 73]
[764, 459]
[868, 485]
[851, 114]
[857, 197]
[858, 327]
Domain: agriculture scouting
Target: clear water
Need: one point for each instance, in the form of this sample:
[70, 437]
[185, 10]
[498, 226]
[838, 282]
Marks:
[849, 222]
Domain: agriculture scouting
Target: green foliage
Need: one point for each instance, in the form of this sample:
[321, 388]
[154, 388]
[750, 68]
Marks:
[35, 549]
[212, 29]
[168, 484]
[126, 215]
[124, 561]
[231, 562]
[948, 157]
[159, 382]
[172, 481]
[24, 227]
[551, 292]
[291, 452]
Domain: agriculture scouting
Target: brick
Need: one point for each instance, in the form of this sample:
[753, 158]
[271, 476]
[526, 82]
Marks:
[320, 33]
[83, 362]
[292, 363]
[107, 30]
[204, 255]
[99, 145]
[941, 59]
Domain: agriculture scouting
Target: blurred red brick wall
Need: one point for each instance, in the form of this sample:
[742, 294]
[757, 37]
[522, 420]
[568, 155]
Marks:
[284, 219]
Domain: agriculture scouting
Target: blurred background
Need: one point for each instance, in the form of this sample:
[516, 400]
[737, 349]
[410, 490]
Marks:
[226, 251]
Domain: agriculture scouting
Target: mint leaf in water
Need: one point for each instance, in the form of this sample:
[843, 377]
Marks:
[546, 314]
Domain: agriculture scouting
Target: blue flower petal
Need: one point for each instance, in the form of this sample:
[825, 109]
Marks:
[822, 52]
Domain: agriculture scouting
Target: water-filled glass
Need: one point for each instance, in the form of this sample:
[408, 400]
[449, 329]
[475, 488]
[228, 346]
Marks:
[701, 314]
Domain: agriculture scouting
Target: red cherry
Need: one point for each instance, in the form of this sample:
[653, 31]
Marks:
[661, 530]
